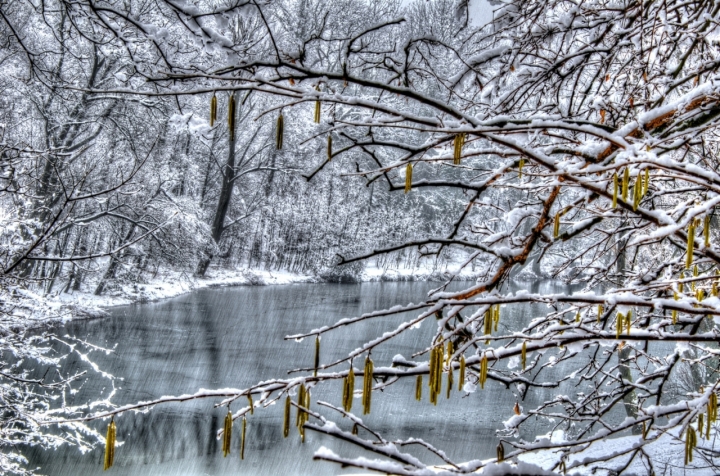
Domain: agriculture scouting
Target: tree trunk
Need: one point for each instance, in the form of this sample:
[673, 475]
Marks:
[226, 190]
[112, 266]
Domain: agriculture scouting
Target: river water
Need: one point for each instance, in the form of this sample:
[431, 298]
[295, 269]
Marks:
[233, 337]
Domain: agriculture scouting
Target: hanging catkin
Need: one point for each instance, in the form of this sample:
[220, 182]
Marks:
[317, 355]
[646, 185]
[367, 385]
[523, 355]
[213, 110]
[600, 312]
[712, 408]
[450, 380]
[625, 184]
[628, 322]
[459, 142]
[110, 444]
[496, 317]
[690, 443]
[418, 388]
[286, 421]
[690, 245]
[461, 380]
[500, 452]
[488, 321]
[280, 130]
[637, 192]
[706, 231]
[227, 433]
[252, 405]
[556, 225]
[483, 371]
[615, 190]
[701, 424]
[231, 117]
[520, 167]
[348, 390]
[242, 439]
[408, 177]
[300, 401]
[619, 321]
[316, 118]
[329, 148]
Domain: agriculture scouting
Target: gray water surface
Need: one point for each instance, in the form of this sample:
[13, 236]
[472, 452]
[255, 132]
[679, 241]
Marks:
[233, 337]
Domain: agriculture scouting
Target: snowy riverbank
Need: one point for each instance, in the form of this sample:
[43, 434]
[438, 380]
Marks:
[84, 304]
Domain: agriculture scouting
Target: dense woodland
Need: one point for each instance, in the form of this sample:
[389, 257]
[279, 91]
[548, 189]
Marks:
[576, 139]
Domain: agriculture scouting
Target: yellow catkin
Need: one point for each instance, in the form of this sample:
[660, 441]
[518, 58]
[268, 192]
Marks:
[408, 177]
[329, 148]
[646, 185]
[110, 445]
[418, 388]
[316, 117]
[286, 421]
[690, 246]
[438, 372]
[213, 110]
[367, 385]
[690, 443]
[252, 405]
[496, 318]
[556, 225]
[348, 390]
[674, 312]
[577, 316]
[712, 408]
[483, 371]
[450, 380]
[231, 117]
[279, 131]
[628, 322]
[701, 424]
[459, 143]
[714, 290]
[242, 439]
[227, 433]
[317, 355]
[520, 167]
[599, 312]
[615, 190]
[436, 384]
[625, 184]
[619, 324]
[461, 379]
[300, 401]
[450, 352]
[431, 374]
[637, 192]
[523, 355]
[500, 453]
[706, 231]
[487, 324]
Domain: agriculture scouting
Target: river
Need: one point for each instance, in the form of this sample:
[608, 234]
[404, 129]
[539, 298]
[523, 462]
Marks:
[233, 337]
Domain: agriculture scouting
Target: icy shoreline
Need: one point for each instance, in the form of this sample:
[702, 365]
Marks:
[83, 305]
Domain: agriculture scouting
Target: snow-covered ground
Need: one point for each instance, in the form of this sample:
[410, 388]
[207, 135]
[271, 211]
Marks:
[166, 285]
[169, 284]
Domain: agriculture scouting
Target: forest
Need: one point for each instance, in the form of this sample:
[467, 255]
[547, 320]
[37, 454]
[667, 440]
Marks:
[144, 141]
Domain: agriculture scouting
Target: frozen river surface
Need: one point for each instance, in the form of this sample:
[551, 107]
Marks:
[233, 337]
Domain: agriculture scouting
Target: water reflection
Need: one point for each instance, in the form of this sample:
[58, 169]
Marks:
[233, 338]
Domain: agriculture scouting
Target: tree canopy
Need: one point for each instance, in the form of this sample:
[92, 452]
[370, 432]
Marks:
[567, 139]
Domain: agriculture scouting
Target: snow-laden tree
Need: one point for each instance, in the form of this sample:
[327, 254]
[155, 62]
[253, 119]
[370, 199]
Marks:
[581, 137]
